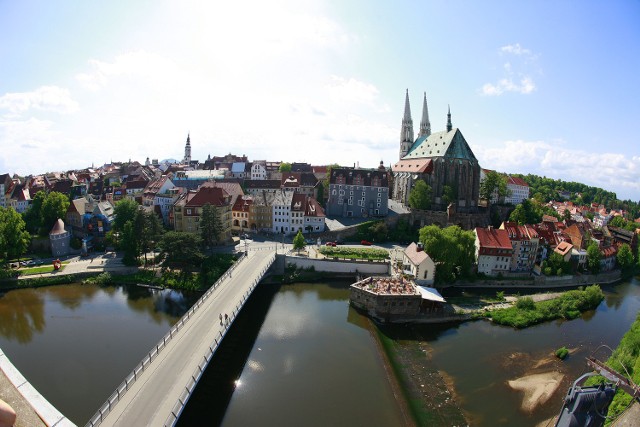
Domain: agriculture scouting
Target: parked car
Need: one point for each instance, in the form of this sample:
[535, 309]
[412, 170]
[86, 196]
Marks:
[331, 244]
[366, 243]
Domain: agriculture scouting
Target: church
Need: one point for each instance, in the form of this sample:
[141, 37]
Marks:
[443, 160]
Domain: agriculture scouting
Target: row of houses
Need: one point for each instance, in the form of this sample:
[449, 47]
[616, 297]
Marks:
[521, 249]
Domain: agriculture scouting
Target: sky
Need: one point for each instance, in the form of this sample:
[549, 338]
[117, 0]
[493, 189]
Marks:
[544, 87]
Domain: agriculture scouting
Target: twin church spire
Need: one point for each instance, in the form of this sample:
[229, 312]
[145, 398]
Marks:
[406, 133]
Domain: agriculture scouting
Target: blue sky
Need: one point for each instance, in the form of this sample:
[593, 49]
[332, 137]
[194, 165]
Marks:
[544, 87]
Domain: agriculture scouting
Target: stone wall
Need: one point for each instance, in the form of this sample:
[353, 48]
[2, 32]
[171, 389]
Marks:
[339, 266]
[543, 282]
[466, 221]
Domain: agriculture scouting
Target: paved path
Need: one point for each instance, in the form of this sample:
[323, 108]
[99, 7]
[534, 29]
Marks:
[152, 397]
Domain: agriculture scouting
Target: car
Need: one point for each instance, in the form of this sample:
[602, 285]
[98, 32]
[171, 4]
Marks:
[331, 244]
[366, 243]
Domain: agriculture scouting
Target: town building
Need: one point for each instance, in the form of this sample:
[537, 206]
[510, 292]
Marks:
[395, 299]
[60, 239]
[418, 264]
[5, 183]
[493, 251]
[187, 210]
[281, 212]
[258, 170]
[517, 190]
[240, 213]
[524, 241]
[261, 212]
[443, 160]
[358, 193]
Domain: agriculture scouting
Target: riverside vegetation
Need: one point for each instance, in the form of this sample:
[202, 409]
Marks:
[526, 312]
[626, 361]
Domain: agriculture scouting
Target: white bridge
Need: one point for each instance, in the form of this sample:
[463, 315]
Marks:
[157, 390]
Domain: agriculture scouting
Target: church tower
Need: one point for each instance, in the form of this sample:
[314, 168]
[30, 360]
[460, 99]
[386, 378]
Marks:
[406, 134]
[187, 151]
[425, 125]
[449, 127]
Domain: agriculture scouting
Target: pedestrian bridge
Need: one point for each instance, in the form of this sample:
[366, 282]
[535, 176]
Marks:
[157, 390]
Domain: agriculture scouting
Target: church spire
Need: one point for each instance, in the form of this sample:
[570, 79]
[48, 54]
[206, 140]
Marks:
[449, 127]
[187, 150]
[425, 125]
[406, 133]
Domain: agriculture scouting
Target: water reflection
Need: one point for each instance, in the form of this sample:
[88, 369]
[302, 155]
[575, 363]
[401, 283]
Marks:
[21, 314]
[93, 336]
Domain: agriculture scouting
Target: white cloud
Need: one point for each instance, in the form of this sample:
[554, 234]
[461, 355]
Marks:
[516, 73]
[141, 64]
[610, 171]
[45, 98]
[515, 49]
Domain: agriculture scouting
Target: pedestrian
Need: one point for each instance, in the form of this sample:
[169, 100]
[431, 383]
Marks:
[220, 319]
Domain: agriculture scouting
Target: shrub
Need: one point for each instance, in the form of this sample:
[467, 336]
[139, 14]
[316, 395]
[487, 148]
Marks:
[562, 353]
[500, 296]
[525, 303]
[548, 271]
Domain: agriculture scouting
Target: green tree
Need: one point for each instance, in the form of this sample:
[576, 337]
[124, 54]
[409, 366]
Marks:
[33, 215]
[493, 181]
[148, 230]
[181, 250]
[451, 248]
[298, 242]
[566, 215]
[448, 194]
[54, 206]
[14, 239]
[420, 196]
[625, 257]
[129, 244]
[284, 167]
[125, 210]
[210, 225]
[526, 213]
[593, 258]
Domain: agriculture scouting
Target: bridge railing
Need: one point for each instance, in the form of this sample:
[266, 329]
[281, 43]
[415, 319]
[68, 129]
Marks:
[193, 381]
[115, 397]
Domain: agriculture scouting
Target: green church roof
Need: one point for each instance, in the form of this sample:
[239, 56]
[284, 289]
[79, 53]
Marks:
[441, 144]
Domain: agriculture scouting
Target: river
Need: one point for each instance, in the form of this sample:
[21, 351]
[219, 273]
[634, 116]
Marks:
[76, 343]
[297, 354]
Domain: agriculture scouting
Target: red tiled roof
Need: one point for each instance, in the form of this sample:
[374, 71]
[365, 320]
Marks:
[493, 238]
[213, 195]
[414, 166]
[517, 181]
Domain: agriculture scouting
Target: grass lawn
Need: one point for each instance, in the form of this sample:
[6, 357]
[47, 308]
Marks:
[40, 269]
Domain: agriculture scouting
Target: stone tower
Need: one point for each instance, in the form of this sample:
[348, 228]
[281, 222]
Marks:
[187, 151]
[406, 134]
[425, 125]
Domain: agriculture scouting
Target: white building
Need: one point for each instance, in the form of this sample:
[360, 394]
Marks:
[518, 190]
[259, 170]
[493, 251]
[418, 263]
[281, 212]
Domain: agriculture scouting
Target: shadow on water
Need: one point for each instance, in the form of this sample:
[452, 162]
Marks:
[211, 397]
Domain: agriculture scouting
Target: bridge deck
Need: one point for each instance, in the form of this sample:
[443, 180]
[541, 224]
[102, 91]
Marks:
[151, 399]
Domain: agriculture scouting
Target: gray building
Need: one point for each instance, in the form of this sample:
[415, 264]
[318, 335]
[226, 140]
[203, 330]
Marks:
[60, 239]
[358, 192]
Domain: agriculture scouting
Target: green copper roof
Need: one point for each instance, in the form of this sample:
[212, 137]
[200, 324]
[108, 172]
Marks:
[441, 144]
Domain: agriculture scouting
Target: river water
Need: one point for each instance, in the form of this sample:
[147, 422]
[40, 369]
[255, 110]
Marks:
[296, 355]
[76, 343]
